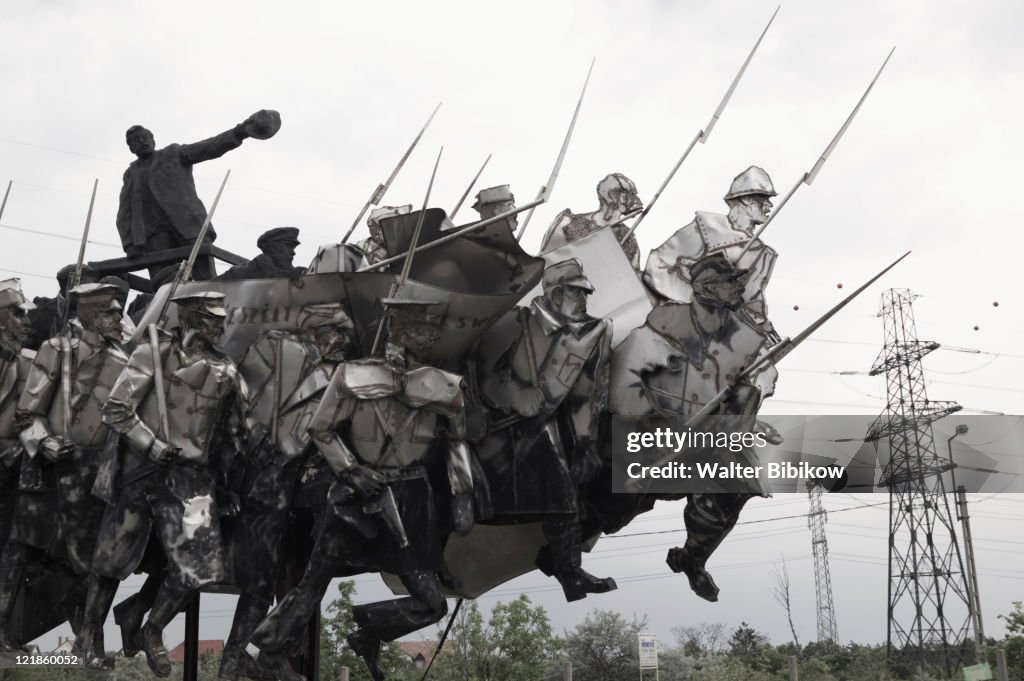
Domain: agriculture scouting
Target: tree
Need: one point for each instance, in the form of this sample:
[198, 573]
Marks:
[781, 593]
[700, 639]
[1014, 643]
[516, 643]
[604, 647]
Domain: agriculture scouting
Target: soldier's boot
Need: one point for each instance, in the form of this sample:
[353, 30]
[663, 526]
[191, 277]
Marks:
[709, 518]
[275, 665]
[131, 612]
[235, 661]
[390, 620]
[367, 646]
[90, 636]
[563, 535]
[170, 600]
[12, 572]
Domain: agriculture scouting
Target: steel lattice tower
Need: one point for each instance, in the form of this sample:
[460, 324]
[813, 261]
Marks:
[816, 519]
[928, 606]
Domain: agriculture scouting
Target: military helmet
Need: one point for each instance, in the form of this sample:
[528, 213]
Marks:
[500, 194]
[752, 181]
[566, 273]
[97, 296]
[204, 302]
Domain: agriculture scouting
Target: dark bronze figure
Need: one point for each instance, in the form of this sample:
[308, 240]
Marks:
[159, 208]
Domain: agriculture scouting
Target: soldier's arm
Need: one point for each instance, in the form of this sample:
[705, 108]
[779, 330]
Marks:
[120, 412]
[34, 404]
[460, 472]
[333, 409]
[214, 147]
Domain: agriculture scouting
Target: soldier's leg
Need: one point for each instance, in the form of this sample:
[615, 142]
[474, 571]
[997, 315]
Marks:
[282, 630]
[130, 613]
[564, 539]
[249, 612]
[709, 518]
[13, 562]
[389, 620]
[171, 599]
[97, 604]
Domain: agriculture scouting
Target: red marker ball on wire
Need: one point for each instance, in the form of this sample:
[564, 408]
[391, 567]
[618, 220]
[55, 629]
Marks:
[839, 285]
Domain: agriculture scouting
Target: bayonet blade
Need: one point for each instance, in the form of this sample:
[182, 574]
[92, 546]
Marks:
[378, 194]
[545, 191]
[846, 124]
[706, 132]
[462, 199]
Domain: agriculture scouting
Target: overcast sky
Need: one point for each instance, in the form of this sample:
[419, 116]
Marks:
[931, 163]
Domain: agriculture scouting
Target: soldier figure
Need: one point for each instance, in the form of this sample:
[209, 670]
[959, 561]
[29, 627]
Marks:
[618, 197]
[379, 425]
[168, 405]
[278, 246]
[45, 319]
[63, 434]
[14, 366]
[159, 208]
[676, 363]
[545, 370]
[668, 272]
[287, 373]
[495, 201]
[348, 257]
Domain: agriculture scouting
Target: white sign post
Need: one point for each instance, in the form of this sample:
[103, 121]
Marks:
[648, 655]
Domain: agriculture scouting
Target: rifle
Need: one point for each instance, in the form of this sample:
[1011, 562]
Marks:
[378, 194]
[185, 269]
[545, 191]
[702, 135]
[809, 176]
[408, 255]
[76, 277]
[472, 182]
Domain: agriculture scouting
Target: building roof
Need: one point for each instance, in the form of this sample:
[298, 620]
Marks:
[205, 646]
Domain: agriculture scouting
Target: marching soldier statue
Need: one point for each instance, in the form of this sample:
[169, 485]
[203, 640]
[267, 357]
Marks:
[618, 197]
[287, 373]
[679, 361]
[344, 257]
[15, 361]
[64, 436]
[278, 250]
[168, 405]
[668, 271]
[381, 424]
[544, 370]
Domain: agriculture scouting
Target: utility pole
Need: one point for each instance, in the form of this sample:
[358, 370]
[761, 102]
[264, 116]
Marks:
[816, 519]
[973, 598]
[928, 603]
